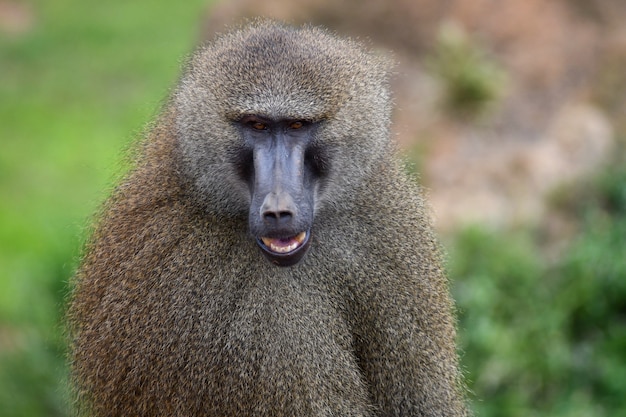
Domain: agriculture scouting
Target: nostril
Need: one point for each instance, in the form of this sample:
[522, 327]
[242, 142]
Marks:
[278, 209]
[277, 215]
[285, 215]
[270, 215]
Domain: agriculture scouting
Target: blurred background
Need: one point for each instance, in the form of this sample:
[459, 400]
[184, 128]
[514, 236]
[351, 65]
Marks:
[512, 113]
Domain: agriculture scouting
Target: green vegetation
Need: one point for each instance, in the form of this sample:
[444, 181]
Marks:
[540, 337]
[548, 337]
[471, 81]
[75, 90]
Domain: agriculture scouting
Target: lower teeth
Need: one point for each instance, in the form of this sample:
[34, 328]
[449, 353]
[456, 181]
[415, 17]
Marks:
[271, 243]
[283, 249]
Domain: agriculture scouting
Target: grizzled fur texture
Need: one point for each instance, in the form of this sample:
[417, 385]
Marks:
[175, 312]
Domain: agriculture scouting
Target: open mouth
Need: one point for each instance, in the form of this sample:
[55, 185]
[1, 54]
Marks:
[284, 245]
[285, 251]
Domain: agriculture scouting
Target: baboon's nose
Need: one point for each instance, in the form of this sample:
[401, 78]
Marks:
[278, 209]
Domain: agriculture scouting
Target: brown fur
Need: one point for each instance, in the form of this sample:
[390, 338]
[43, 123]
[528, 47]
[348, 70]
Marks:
[177, 313]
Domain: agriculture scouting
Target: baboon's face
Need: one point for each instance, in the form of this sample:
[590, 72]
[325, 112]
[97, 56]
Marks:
[279, 124]
[283, 169]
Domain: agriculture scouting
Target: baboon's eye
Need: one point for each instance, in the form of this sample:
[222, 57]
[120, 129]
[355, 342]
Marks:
[296, 125]
[258, 125]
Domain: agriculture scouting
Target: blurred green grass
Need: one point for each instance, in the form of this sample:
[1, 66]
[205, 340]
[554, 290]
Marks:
[74, 91]
[545, 335]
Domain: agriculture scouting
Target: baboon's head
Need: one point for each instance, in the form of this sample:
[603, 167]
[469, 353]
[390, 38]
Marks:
[280, 123]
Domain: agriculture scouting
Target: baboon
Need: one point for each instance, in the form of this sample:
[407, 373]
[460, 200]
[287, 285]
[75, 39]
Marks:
[267, 255]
